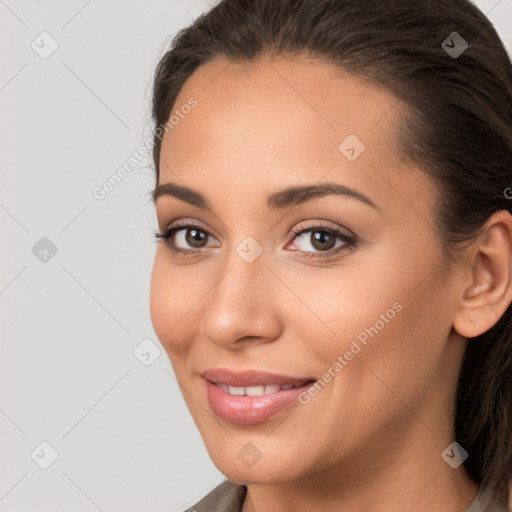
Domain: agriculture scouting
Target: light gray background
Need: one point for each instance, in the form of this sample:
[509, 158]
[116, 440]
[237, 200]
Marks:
[69, 325]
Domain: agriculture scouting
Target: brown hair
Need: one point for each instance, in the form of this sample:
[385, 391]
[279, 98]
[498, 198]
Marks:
[457, 129]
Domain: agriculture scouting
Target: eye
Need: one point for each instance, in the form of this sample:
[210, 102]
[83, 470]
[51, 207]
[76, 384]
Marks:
[314, 241]
[186, 239]
[321, 241]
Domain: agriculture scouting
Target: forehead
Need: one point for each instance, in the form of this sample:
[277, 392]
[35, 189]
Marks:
[287, 120]
[299, 96]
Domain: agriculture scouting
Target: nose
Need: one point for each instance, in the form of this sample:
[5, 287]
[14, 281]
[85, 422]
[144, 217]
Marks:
[242, 307]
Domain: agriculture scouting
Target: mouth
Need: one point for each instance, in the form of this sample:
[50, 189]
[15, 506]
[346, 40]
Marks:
[261, 390]
[253, 379]
[251, 396]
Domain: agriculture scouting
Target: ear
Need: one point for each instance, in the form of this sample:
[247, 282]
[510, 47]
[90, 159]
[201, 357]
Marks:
[489, 273]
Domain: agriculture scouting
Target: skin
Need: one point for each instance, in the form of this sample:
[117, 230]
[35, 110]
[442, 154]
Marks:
[372, 438]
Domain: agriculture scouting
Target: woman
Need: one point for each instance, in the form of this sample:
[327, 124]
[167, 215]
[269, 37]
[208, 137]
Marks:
[333, 279]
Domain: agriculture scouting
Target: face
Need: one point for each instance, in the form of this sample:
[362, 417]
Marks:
[339, 288]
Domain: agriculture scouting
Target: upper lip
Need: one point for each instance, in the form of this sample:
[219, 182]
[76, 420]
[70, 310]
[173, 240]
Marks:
[248, 378]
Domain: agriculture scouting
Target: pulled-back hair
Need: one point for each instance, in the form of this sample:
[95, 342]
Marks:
[457, 129]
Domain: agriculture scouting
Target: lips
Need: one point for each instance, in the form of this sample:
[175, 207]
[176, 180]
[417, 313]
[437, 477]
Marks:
[252, 378]
[251, 396]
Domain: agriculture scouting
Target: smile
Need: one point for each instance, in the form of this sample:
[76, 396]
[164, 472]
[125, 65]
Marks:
[266, 389]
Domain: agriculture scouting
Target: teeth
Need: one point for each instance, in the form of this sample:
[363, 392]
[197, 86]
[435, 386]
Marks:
[271, 388]
[223, 387]
[254, 390]
[236, 391]
[261, 390]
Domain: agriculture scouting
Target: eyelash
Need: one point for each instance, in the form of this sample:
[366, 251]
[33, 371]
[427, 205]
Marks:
[349, 242]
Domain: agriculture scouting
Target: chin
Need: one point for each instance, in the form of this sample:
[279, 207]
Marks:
[262, 472]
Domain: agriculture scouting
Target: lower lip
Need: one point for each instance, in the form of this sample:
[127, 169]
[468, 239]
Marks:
[246, 410]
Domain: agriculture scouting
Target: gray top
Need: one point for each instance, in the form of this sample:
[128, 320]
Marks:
[229, 497]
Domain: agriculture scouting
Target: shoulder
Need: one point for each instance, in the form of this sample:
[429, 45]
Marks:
[226, 497]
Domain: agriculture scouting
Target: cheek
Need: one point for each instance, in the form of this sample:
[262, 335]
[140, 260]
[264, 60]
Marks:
[388, 314]
[168, 300]
[176, 296]
[157, 299]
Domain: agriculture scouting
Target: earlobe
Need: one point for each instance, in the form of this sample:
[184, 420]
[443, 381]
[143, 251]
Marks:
[489, 292]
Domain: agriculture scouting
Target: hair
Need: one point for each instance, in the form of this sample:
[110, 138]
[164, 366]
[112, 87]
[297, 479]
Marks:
[456, 128]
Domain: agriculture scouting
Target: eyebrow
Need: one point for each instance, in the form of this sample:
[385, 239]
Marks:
[276, 201]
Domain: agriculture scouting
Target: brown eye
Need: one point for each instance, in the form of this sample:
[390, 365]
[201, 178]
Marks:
[187, 239]
[195, 237]
[318, 241]
[322, 240]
